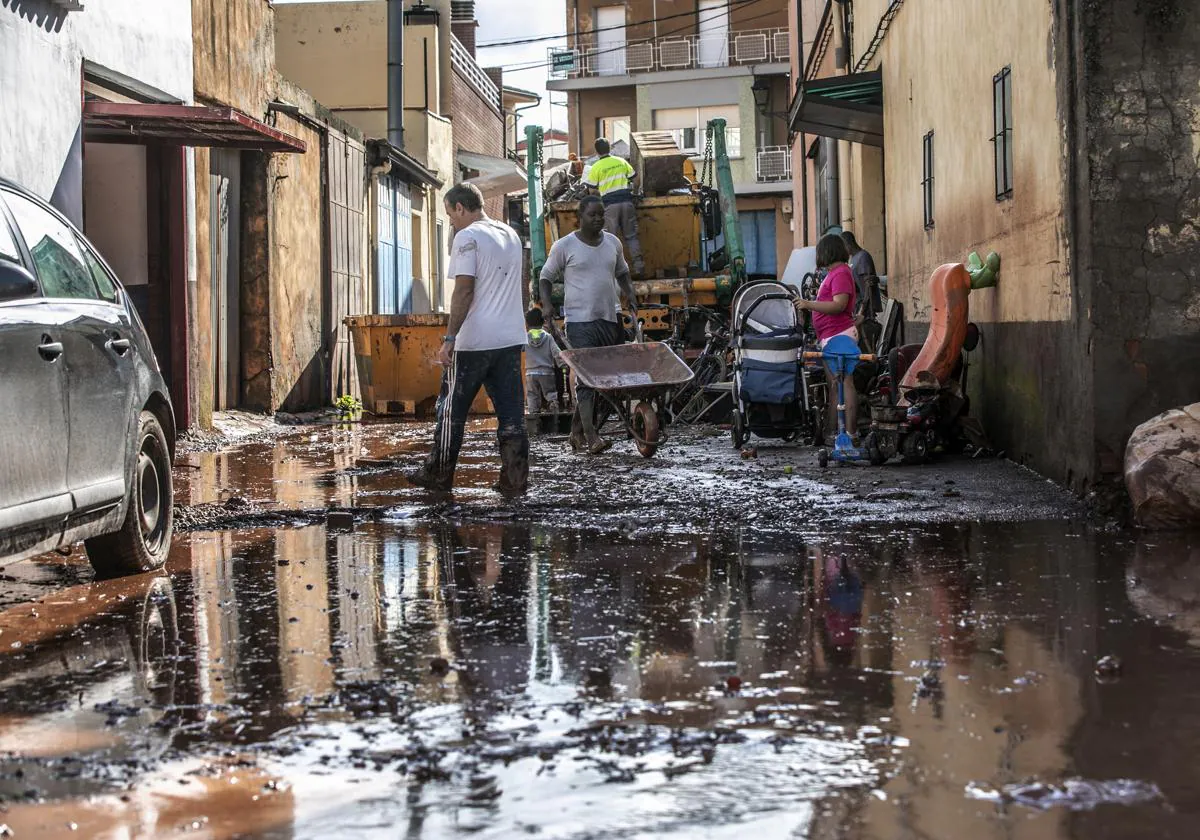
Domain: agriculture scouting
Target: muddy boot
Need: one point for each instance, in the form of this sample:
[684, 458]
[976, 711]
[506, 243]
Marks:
[514, 467]
[587, 416]
[428, 480]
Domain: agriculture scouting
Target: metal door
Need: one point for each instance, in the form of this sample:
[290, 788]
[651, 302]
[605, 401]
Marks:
[347, 237]
[758, 240]
[712, 45]
[394, 278]
[225, 172]
[33, 414]
[97, 354]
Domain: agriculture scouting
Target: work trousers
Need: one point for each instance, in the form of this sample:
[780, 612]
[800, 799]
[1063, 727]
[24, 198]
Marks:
[621, 220]
[584, 334]
[499, 372]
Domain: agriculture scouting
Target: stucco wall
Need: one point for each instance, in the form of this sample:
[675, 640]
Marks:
[920, 96]
[297, 272]
[338, 52]
[234, 50]
[41, 54]
[1032, 364]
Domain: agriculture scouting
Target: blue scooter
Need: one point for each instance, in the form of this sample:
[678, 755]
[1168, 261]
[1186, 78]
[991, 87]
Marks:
[842, 355]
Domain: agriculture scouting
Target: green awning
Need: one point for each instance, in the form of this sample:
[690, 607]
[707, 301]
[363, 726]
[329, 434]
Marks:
[843, 107]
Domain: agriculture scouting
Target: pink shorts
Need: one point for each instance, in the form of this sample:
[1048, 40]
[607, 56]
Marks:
[851, 333]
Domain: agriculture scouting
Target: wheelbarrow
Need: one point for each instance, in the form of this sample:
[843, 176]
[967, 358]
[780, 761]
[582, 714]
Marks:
[638, 374]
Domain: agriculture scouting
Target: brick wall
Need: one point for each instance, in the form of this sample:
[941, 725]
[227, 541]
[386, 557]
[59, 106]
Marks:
[478, 127]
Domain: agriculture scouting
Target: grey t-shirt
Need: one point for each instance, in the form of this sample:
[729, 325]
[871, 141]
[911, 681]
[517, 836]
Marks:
[589, 274]
[490, 252]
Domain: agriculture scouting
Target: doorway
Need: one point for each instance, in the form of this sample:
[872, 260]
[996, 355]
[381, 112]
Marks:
[394, 275]
[610, 40]
[225, 198]
[712, 46]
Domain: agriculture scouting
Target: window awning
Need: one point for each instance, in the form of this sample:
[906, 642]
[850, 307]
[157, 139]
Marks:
[182, 125]
[842, 107]
[407, 167]
[497, 175]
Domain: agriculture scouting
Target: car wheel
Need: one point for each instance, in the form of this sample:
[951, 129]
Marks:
[144, 538]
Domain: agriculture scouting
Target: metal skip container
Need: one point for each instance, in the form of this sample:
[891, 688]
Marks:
[396, 357]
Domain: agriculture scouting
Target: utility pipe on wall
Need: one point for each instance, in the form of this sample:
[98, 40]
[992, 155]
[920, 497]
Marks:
[395, 77]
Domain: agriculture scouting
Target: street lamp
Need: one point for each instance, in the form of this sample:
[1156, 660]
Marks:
[762, 95]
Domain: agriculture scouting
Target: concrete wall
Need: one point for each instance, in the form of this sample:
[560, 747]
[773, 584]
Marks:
[39, 41]
[1138, 234]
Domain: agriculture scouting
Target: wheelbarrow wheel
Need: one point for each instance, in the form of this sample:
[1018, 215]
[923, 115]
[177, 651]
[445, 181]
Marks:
[646, 428]
[738, 429]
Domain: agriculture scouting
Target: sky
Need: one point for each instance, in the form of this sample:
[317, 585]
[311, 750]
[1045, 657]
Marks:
[505, 20]
[500, 21]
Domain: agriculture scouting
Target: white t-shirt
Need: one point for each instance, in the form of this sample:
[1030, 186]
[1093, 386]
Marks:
[589, 276]
[490, 252]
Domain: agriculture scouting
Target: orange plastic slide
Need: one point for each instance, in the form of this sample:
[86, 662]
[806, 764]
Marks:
[948, 290]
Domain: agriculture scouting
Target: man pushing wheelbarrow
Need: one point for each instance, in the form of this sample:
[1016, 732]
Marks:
[591, 265]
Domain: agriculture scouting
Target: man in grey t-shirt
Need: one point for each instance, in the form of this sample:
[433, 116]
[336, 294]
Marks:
[591, 265]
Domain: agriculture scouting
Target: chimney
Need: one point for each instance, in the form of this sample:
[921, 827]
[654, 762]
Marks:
[395, 76]
[462, 23]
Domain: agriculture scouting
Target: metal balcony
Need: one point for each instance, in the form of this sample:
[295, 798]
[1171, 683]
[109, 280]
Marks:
[773, 164]
[682, 52]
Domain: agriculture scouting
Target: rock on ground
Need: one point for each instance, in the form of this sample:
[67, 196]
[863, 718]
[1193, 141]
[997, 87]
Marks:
[1162, 469]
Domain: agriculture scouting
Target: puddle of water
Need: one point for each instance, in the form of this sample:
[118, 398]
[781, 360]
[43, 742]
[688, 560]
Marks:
[449, 678]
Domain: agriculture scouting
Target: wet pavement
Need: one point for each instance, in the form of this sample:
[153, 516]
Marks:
[697, 646]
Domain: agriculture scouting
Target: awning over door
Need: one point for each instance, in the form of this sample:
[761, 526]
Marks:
[497, 175]
[843, 107]
[182, 125]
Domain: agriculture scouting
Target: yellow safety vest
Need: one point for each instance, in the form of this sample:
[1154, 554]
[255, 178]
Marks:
[610, 173]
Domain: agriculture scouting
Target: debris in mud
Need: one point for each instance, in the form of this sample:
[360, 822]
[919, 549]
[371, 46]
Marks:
[1108, 669]
[339, 520]
[1072, 794]
[439, 666]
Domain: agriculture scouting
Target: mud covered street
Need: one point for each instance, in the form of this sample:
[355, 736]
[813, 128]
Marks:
[700, 645]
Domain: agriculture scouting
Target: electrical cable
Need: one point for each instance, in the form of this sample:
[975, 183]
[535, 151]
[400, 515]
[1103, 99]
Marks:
[513, 68]
[731, 5]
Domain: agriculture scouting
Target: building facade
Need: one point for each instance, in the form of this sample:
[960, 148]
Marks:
[453, 126]
[1044, 142]
[674, 65]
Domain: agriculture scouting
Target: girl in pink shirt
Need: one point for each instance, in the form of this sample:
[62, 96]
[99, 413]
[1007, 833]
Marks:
[833, 315]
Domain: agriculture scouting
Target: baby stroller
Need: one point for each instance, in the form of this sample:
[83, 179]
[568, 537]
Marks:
[771, 393]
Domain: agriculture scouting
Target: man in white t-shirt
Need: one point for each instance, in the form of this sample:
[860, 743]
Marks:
[483, 346]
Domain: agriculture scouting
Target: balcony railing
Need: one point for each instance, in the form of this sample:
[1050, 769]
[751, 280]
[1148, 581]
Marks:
[482, 82]
[773, 163]
[682, 52]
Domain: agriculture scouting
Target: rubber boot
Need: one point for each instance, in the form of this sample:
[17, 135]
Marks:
[514, 466]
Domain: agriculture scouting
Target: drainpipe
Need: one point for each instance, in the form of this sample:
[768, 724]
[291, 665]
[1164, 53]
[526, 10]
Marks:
[395, 77]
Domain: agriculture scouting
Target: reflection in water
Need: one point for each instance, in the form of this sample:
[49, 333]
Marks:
[436, 678]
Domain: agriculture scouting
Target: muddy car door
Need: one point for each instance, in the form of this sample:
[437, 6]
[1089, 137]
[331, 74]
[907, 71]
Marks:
[97, 351]
[33, 418]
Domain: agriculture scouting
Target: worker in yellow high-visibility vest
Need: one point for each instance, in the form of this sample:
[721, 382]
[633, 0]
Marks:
[613, 177]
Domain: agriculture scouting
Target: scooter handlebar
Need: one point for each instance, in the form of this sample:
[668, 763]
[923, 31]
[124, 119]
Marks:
[818, 355]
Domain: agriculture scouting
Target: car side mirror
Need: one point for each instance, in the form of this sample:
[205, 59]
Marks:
[16, 282]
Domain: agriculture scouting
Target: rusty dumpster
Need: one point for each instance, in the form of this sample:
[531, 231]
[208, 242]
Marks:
[397, 367]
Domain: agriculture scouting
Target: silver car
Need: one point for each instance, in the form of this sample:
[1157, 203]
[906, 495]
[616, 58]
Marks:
[87, 432]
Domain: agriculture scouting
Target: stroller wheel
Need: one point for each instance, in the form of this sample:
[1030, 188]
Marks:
[822, 458]
[738, 429]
